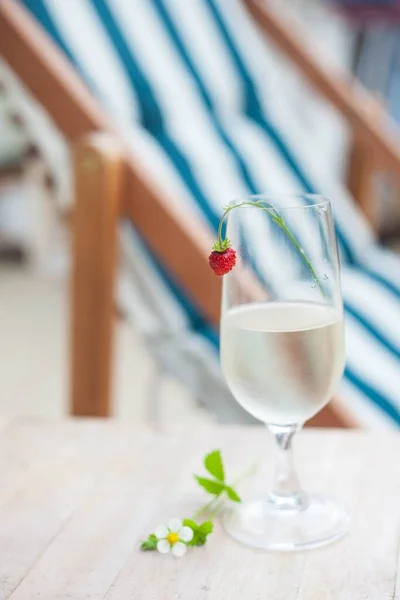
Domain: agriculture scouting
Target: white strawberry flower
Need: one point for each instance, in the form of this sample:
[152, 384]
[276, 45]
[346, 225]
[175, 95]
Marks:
[173, 537]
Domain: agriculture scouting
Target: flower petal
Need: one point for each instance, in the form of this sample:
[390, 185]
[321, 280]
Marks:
[179, 549]
[175, 525]
[161, 531]
[186, 534]
[163, 546]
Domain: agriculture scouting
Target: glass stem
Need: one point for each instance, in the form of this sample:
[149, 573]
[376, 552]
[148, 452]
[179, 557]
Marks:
[286, 491]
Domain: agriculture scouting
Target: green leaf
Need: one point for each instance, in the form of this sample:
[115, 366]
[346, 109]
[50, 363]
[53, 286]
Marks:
[190, 523]
[212, 487]
[214, 465]
[150, 543]
[232, 494]
[200, 532]
[207, 527]
[198, 539]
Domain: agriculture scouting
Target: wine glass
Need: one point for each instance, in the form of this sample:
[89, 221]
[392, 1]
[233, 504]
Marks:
[282, 352]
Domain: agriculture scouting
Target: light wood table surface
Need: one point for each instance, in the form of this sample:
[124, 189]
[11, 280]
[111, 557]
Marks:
[76, 498]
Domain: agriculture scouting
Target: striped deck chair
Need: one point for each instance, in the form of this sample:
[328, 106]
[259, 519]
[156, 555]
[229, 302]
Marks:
[196, 91]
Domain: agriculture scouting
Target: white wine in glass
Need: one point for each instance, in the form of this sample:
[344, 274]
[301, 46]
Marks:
[282, 352]
[282, 360]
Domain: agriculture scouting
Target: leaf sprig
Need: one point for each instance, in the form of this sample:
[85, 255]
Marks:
[217, 486]
[200, 532]
[220, 491]
[150, 543]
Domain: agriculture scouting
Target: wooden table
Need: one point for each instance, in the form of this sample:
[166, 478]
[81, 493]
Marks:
[76, 498]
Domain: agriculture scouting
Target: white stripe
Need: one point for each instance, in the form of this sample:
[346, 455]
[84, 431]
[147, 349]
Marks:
[268, 168]
[385, 263]
[155, 166]
[353, 224]
[162, 310]
[89, 43]
[374, 302]
[207, 51]
[360, 406]
[372, 362]
[159, 60]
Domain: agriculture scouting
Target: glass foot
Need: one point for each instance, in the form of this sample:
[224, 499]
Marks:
[263, 525]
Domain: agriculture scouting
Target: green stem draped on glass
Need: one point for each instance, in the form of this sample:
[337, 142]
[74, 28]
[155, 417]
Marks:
[222, 244]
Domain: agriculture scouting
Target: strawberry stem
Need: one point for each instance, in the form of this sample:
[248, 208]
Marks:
[222, 244]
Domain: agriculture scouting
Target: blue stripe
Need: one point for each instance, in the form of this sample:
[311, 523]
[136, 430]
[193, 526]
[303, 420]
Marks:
[380, 280]
[38, 9]
[150, 113]
[252, 108]
[372, 394]
[389, 285]
[177, 41]
[373, 331]
[41, 13]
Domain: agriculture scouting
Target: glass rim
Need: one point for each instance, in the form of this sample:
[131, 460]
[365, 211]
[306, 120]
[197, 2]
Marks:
[314, 200]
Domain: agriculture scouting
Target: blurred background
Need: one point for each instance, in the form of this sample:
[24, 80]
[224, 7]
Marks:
[360, 39]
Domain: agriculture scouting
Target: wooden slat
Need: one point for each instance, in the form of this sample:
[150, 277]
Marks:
[334, 414]
[360, 180]
[43, 440]
[42, 492]
[362, 168]
[103, 532]
[334, 571]
[362, 111]
[228, 570]
[73, 527]
[363, 565]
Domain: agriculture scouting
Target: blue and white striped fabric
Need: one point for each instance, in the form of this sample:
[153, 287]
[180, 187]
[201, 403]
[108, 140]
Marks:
[200, 97]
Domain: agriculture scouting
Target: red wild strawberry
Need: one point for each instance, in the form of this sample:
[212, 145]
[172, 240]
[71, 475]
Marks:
[222, 258]
[222, 262]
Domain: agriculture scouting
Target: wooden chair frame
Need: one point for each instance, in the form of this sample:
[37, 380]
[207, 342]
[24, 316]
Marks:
[111, 184]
